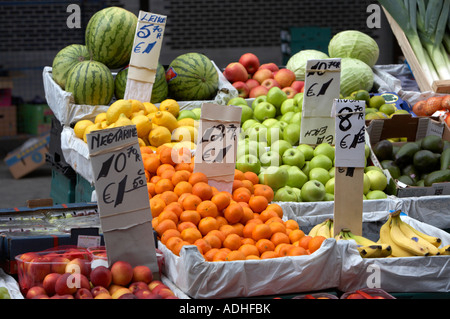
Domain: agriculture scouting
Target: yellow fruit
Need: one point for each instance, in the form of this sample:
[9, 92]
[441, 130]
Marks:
[159, 136]
[100, 117]
[150, 108]
[186, 122]
[141, 142]
[187, 144]
[185, 133]
[80, 127]
[104, 124]
[170, 105]
[165, 118]
[151, 115]
[134, 114]
[91, 128]
[117, 108]
[123, 120]
[137, 106]
[143, 125]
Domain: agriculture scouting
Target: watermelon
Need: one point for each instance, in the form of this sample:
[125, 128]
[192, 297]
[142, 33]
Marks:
[192, 76]
[65, 59]
[159, 90]
[110, 35]
[91, 83]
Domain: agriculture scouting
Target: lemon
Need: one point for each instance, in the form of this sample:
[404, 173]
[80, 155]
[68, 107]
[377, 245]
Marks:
[376, 101]
[151, 115]
[123, 120]
[80, 127]
[165, 118]
[117, 108]
[143, 125]
[362, 95]
[372, 116]
[150, 108]
[134, 114]
[141, 142]
[185, 133]
[159, 136]
[170, 105]
[91, 128]
[137, 106]
[188, 144]
[104, 124]
[387, 109]
[100, 117]
[186, 122]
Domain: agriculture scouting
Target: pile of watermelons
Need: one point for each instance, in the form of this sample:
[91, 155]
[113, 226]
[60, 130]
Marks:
[419, 163]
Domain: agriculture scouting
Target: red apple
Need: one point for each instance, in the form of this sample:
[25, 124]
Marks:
[251, 83]
[83, 293]
[290, 92]
[50, 282]
[262, 74]
[67, 283]
[270, 83]
[271, 66]
[99, 290]
[35, 291]
[154, 284]
[138, 285]
[59, 264]
[284, 77]
[298, 85]
[146, 294]
[242, 89]
[235, 72]
[39, 267]
[79, 265]
[142, 273]
[101, 276]
[158, 288]
[257, 91]
[122, 273]
[250, 61]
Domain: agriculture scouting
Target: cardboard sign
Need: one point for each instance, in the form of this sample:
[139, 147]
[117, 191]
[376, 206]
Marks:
[215, 154]
[145, 56]
[349, 165]
[123, 201]
[322, 86]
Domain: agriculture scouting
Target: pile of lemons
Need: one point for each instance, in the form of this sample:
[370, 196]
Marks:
[155, 125]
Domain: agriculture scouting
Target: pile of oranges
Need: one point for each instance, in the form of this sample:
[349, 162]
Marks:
[224, 226]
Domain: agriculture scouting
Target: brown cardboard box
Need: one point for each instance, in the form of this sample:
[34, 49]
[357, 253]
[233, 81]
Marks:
[8, 120]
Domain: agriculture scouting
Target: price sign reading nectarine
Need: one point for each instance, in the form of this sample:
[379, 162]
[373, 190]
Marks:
[123, 201]
[322, 85]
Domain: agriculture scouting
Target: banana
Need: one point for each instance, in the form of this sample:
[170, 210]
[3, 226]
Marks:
[360, 240]
[313, 231]
[331, 228]
[340, 236]
[445, 250]
[371, 251]
[385, 238]
[435, 241]
[386, 250]
[324, 230]
[408, 231]
[408, 244]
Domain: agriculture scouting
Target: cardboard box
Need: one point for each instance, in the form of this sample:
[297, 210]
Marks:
[8, 120]
[29, 156]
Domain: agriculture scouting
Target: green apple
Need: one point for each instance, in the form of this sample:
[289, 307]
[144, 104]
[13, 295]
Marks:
[332, 171]
[306, 168]
[366, 151]
[248, 162]
[276, 96]
[186, 114]
[296, 118]
[270, 158]
[366, 184]
[378, 181]
[372, 168]
[313, 191]
[247, 146]
[289, 106]
[259, 99]
[321, 160]
[257, 132]
[298, 100]
[280, 146]
[286, 118]
[319, 174]
[329, 186]
[296, 177]
[275, 176]
[285, 194]
[328, 197]
[248, 123]
[325, 148]
[293, 156]
[274, 133]
[297, 191]
[247, 113]
[291, 133]
[307, 150]
[376, 194]
[237, 101]
[270, 122]
[198, 112]
[264, 110]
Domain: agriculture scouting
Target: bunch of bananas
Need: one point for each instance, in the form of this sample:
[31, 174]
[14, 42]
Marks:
[366, 247]
[324, 229]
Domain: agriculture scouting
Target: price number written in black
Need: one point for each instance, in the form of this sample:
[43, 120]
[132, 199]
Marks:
[217, 142]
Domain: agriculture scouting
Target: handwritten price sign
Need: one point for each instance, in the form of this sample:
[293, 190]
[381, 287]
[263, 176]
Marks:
[322, 85]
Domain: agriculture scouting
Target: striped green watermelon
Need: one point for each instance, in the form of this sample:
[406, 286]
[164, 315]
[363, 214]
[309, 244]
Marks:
[110, 35]
[91, 83]
[65, 59]
[192, 76]
[159, 90]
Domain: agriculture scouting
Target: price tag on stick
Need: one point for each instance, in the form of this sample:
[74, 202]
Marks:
[145, 56]
[123, 200]
[349, 165]
[322, 86]
[215, 154]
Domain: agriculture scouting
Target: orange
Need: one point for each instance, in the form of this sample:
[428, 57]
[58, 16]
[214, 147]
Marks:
[304, 241]
[248, 240]
[202, 190]
[169, 197]
[175, 207]
[167, 214]
[207, 209]
[267, 214]
[181, 155]
[197, 177]
[177, 248]
[264, 245]
[214, 190]
[190, 216]
[261, 231]
[168, 173]
[172, 241]
[151, 163]
[182, 187]
[206, 224]
[238, 174]
[264, 190]
[232, 242]
[235, 255]
[249, 257]
[213, 240]
[222, 200]
[164, 184]
[154, 179]
[279, 238]
[239, 227]
[160, 148]
[202, 245]
[277, 226]
[258, 203]
[297, 251]
[269, 254]
[315, 243]
[183, 167]
[220, 255]
[248, 215]
[146, 150]
[165, 225]
[183, 225]
[233, 213]
[252, 177]
[221, 220]
[169, 233]
[151, 189]
[249, 249]
[218, 233]
[210, 254]
[277, 208]
[291, 224]
[248, 229]
[165, 156]
[295, 235]
[242, 194]
[228, 229]
[157, 205]
[276, 219]
[191, 202]
[180, 175]
[282, 249]
[237, 183]
[248, 184]
[164, 167]
[191, 234]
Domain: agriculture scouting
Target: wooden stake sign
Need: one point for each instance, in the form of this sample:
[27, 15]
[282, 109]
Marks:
[322, 85]
[349, 165]
[145, 56]
[123, 200]
[215, 154]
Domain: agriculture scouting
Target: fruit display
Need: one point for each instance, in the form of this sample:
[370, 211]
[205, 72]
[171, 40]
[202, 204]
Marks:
[67, 58]
[431, 105]
[367, 293]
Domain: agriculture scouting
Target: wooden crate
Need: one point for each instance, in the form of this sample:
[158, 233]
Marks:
[440, 86]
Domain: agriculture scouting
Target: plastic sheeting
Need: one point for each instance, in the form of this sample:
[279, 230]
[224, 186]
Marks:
[11, 285]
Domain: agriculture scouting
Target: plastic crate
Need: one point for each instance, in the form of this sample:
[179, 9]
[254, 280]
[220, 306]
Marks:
[62, 188]
[34, 119]
[83, 190]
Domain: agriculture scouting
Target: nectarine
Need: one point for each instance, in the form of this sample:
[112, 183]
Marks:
[49, 283]
[101, 276]
[122, 273]
[142, 273]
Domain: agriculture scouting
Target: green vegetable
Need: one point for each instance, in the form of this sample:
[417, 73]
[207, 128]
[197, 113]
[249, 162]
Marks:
[355, 75]
[297, 62]
[354, 44]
